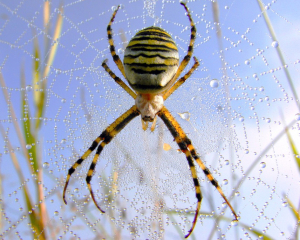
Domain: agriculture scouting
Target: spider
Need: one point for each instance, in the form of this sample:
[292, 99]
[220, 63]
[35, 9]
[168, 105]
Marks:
[151, 68]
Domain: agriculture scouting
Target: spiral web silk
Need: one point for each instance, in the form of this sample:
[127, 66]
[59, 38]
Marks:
[234, 109]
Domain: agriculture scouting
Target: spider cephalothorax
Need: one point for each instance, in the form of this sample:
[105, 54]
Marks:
[151, 67]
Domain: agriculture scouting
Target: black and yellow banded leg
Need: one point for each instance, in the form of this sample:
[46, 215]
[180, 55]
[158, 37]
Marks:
[172, 125]
[182, 80]
[115, 56]
[207, 173]
[78, 162]
[110, 132]
[107, 136]
[189, 54]
[118, 80]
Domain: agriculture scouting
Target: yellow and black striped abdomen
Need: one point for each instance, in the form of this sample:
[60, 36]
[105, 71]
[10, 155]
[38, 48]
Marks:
[150, 60]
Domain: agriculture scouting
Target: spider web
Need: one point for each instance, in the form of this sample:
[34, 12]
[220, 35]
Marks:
[56, 99]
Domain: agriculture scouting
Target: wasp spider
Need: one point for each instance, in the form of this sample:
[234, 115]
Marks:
[151, 67]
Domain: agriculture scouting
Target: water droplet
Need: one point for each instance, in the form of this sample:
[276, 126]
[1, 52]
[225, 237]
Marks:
[225, 182]
[28, 146]
[275, 44]
[263, 164]
[28, 88]
[63, 141]
[46, 165]
[261, 89]
[76, 190]
[185, 115]
[166, 147]
[214, 83]
[268, 120]
[285, 204]
[120, 51]
[246, 151]
[241, 119]
[247, 62]
[56, 213]
[234, 223]
[226, 162]
[226, 7]
[237, 193]
[297, 116]
[63, 100]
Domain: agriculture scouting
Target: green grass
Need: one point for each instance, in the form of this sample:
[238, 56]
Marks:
[29, 129]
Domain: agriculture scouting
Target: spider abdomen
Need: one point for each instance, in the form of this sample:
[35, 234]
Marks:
[150, 60]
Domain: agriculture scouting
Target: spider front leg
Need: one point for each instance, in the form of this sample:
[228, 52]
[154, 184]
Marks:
[175, 130]
[208, 174]
[106, 136]
[188, 149]
[206, 171]
[78, 162]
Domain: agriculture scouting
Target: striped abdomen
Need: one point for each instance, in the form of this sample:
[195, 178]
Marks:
[150, 60]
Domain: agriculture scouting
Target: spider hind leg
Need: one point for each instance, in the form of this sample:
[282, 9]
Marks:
[114, 55]
[190, 49]
[118, 80]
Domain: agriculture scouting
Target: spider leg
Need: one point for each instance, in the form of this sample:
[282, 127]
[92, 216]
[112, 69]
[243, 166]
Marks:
[112, 46]
[182, 139]
[106, 136]
[208, 173]
[189, 54]
[182, 80]
[78, 162]
[175, 130]
[118, 80]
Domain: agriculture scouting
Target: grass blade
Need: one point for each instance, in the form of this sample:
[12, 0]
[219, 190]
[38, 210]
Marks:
[273, 35]
[294, 210]
[56, 35]
[294, 149]
[29, 138]
[36, 217]
[38, 87]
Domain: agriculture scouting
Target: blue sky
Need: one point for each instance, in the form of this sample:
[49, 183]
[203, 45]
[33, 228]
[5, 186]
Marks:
[77, 69]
